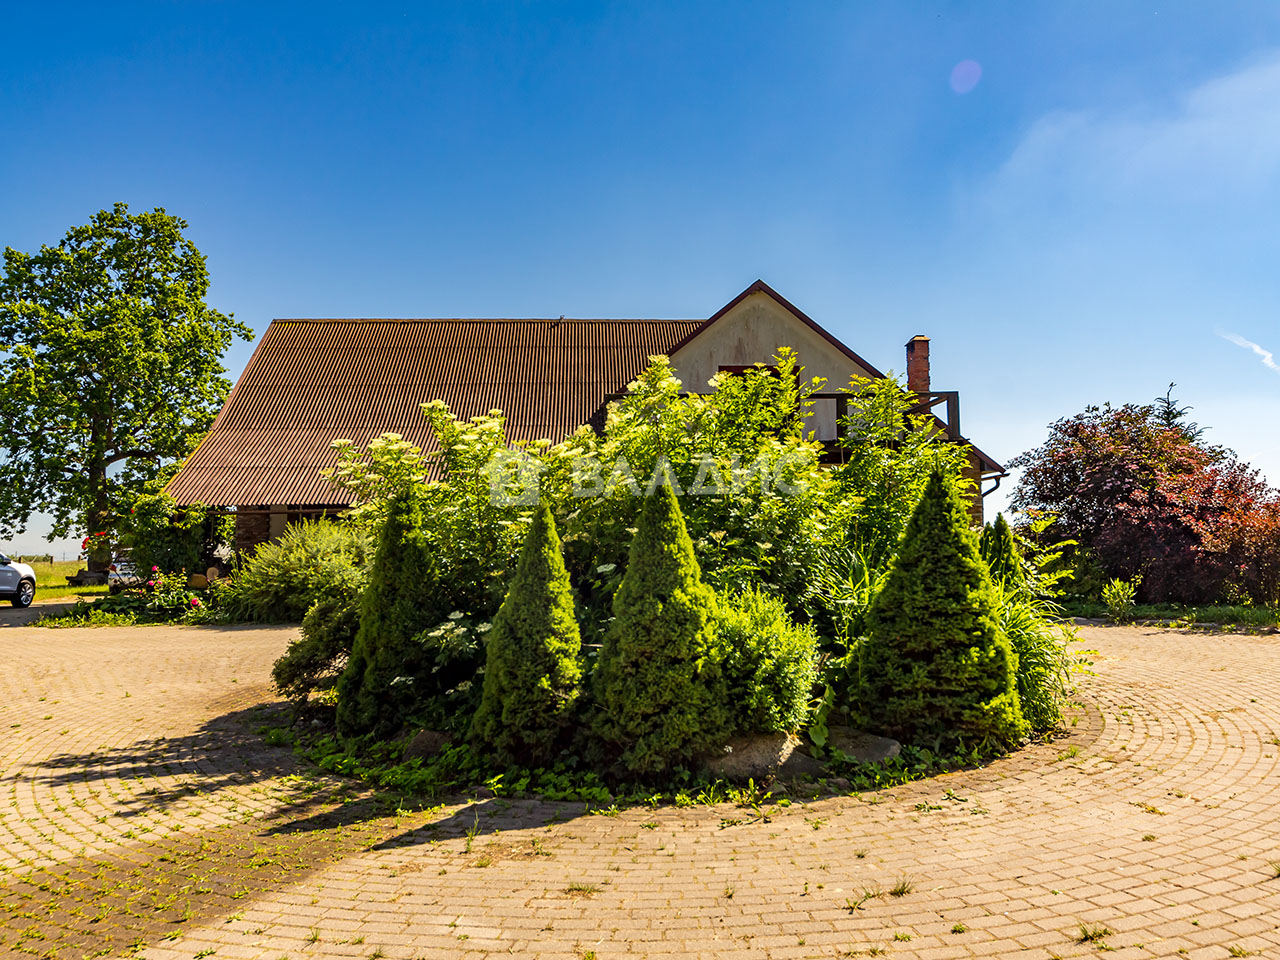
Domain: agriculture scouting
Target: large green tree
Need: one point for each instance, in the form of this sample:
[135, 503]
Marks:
[109, 368]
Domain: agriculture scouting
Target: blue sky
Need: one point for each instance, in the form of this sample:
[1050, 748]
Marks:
[1095, 218]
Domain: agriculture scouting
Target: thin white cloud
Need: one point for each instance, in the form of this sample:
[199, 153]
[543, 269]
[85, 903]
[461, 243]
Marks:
[1268, 358]
[1214, 149]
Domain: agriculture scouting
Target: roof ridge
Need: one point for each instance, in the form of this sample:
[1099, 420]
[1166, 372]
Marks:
[489, 320]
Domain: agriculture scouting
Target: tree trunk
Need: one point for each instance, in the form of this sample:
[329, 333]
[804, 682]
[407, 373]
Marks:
[99, 521]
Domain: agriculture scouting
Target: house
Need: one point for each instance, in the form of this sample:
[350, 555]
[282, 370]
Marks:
[310, 382]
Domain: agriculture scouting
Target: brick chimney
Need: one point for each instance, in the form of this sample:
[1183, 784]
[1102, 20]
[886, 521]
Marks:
[918, 365]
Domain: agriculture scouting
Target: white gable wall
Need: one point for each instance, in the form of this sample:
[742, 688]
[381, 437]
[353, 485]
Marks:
[751, 332]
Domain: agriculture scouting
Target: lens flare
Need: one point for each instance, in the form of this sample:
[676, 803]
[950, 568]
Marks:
[965, 75]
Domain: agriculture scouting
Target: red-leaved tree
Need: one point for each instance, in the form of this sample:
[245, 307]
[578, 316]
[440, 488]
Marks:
[1251, 539]
[1138, 487]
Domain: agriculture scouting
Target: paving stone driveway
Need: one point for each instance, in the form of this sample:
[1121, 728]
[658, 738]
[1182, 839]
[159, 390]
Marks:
[141, 813]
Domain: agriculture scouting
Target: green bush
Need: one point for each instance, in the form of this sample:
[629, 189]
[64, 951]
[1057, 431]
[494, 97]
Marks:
[449, 692]
[887, 453]
[390, 668]
[658, 683]
[1120, 596]
[770, 662]
[768, 513]
[532, 672]
[164, 598]
[998, 549]
[159, 533]
[936, 668]
[316, 659]
[282, 580]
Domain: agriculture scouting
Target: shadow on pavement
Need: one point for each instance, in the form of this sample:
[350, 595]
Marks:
[11, 616]
[227, 751]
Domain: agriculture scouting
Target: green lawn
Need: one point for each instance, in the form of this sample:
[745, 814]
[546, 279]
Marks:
[1228, 615]
[51, 581]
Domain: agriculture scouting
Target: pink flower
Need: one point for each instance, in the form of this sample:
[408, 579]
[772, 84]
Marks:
[195, 601]
[151, 583]
[155, 569]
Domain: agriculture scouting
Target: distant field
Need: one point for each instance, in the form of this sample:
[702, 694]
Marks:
[51, 581]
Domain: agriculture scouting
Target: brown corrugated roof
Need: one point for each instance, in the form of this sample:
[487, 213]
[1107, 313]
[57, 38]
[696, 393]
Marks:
[311, 382]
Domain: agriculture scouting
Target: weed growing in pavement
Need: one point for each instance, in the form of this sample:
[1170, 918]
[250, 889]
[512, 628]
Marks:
[868, 893]
[472, 831]
[1147, 808]
[1092, 933]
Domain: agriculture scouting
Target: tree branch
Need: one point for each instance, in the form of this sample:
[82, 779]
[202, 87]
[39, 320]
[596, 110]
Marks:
[129, 454]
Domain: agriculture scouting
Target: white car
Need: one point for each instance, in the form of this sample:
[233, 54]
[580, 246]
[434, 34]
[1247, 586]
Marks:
[17, 582]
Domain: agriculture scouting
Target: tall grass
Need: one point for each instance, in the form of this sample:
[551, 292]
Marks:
[51, 581]
[1041, 640]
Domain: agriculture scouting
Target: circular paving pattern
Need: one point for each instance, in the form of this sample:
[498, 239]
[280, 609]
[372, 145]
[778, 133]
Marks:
[139, 800]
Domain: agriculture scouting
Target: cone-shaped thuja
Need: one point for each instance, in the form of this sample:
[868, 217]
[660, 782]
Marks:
[1000, 552]
[385, 676]
[658, 681]
[936, 670]
[532, 671]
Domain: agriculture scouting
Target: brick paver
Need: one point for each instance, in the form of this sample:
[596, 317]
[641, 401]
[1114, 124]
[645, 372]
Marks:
[1156, 818]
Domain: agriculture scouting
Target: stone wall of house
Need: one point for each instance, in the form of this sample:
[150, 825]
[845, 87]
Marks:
[253, 526]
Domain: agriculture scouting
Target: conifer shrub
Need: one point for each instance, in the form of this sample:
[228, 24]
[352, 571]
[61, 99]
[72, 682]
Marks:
[770, 662]
[1000, 552]
[658, 682]
[390, 669]
[936, 670]
[532, 672]
[316, 659]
